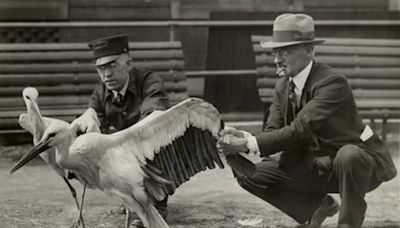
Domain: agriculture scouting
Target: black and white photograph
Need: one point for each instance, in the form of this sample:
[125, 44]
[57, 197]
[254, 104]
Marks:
[199, 113]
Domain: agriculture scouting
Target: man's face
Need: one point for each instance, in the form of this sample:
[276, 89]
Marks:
[290, 60]
[115, 74]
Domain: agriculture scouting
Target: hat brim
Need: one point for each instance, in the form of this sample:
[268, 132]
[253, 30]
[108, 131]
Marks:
[271, 45]
[105, 59]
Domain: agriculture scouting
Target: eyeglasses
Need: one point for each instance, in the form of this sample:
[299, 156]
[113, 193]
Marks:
[280, 52]
[285, 51]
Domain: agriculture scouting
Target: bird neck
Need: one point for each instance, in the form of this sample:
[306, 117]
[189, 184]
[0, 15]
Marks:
[63, 150]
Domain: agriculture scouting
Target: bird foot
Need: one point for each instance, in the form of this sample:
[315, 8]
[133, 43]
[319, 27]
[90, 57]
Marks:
[77, 224]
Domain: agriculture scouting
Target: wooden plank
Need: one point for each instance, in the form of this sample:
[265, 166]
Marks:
[45, 112]
[365, 72]
[66, 56]
[50, 90]
[378, 103]
[9, 68]
[36, 79]
[43, 10]
[358, 93]
[355, 83]
[84, 46]
[343, 60]
[46, 100]
[64, 78]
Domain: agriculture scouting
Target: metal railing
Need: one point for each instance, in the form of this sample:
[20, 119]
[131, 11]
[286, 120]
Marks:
[174, 24]
[216, 73]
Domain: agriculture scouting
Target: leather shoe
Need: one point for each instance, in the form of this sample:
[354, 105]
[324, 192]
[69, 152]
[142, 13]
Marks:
[328, 208]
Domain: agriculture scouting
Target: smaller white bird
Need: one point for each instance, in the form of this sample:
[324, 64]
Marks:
[35, 123]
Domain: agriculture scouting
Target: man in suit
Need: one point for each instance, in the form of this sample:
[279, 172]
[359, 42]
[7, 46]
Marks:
[124, 95]
[314, 122]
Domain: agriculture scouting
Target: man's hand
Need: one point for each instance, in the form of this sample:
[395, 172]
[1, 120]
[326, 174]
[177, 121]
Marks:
[322, 164]
[87, 122]
[230, 144]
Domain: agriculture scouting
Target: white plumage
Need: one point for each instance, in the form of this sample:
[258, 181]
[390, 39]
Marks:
[34, 123]
[146, 161]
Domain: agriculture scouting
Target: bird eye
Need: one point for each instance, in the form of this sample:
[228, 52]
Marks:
[51, 135]
[27, 97]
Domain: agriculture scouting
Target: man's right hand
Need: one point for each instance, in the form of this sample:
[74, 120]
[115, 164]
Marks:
[230, 144]
[87, 122]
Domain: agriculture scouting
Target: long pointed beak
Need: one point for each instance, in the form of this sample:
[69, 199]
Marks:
[35, 151]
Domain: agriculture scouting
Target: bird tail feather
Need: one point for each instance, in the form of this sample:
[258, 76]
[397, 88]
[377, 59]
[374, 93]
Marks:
[154, 218]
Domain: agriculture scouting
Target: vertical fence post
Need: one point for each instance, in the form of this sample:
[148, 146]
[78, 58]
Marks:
[172, 27]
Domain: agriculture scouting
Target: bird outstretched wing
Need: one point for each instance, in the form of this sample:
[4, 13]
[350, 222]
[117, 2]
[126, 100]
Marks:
[177, 143]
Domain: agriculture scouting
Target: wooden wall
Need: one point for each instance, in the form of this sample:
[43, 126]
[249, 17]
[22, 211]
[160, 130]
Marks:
[202, 46]
[119, 10]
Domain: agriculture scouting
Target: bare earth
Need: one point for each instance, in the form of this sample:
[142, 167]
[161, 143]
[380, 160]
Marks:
[36, 197]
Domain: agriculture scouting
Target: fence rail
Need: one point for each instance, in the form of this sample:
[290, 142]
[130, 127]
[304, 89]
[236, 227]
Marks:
[174, 24]
[192, 23]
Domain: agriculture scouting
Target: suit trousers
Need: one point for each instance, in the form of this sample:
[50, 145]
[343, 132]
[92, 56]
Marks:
[295, 189]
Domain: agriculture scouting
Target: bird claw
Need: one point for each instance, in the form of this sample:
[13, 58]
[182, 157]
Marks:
[77, 224]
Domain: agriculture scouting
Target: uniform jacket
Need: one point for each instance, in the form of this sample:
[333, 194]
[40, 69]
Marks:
[328, 119]
[145, 93]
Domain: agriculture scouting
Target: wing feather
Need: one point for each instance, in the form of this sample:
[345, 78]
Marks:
[180, 142]
[161, 128]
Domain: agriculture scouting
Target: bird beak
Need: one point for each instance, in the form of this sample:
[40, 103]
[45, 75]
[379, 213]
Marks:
[35, 151]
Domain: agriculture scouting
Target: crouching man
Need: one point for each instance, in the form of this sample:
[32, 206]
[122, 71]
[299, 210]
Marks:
[314, 122]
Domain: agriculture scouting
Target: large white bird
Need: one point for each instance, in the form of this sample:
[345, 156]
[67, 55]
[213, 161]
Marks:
[35, 123]
[144, 162]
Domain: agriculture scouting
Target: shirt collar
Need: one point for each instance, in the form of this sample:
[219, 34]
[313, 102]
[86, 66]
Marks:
[300, 79]
[123, 90]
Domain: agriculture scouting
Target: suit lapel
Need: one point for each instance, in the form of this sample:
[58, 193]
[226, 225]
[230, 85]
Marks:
[286, 102]
[306, 93]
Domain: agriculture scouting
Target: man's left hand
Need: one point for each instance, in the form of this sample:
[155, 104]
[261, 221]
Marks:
[322, 164]
[87, 122]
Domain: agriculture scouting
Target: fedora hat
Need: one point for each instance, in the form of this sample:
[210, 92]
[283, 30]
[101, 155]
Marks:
[291, 29]
[108, 49]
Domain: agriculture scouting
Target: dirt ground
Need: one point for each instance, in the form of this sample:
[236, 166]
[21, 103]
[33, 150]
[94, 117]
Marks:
[36, 197]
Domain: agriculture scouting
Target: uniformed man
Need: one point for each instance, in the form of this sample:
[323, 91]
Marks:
[125, 94]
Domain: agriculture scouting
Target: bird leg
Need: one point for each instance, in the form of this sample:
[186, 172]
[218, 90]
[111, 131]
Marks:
[73, 192]
[81, 207]
[127, 218]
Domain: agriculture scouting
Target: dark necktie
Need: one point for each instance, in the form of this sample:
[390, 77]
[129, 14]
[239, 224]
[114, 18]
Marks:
[118, 100]
[292, 102]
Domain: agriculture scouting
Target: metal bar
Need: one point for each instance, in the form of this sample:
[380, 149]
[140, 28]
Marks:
[384, 130]
[204, 23]
[208, 73]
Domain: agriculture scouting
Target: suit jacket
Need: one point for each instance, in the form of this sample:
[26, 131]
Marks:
[328, 119]
[145, 93]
